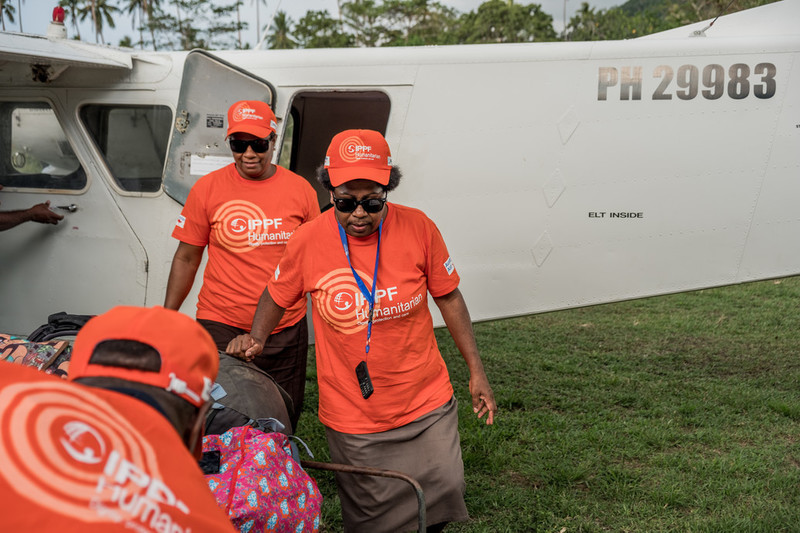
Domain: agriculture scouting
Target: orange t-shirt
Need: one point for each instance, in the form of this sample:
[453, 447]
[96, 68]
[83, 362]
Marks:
[408, 373]
[75, 458]
[246, 225]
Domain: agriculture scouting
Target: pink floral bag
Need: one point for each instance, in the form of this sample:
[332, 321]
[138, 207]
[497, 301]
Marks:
[259, 485]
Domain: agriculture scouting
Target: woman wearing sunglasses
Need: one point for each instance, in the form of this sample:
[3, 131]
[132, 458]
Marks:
[385, 395]
[245, 213]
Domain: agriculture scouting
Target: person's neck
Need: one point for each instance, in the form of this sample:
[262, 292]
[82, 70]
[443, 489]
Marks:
[271, 170]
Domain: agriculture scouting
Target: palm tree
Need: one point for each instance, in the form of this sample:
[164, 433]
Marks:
[137, 8]
[280, 37]
[144, 10]
[100, 10]
[72, 8]
[6, 11]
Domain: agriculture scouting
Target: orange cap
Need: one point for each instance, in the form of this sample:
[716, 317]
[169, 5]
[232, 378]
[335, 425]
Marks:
[358, 154]
[189, 357]
[253, 117]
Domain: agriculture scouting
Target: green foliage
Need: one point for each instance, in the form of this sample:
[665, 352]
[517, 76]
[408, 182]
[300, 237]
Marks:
[216, 24]
[499, 21]
[194, 24]
[280, 37]
[589, 24]
[318, 30]
[676, 413]
[419, 22]
[641, 17]
[100, 12]
[364, 20]
[687, 12]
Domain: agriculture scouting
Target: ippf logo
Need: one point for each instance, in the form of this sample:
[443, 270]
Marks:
[341, 303]
[83, 443]
[344, 301]
[353, 149]
[338, 302]
[244, 112]
[240, 226]
[58, 441]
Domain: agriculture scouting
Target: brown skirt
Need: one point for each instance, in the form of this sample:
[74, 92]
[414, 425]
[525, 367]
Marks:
[427, 449]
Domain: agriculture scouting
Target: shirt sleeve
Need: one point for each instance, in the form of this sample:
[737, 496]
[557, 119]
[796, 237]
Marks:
[442, 275]
[193, 226]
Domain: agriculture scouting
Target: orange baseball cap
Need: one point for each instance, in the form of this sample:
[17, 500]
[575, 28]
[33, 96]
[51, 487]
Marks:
[358, 154]
[189, 357]
[253, 117]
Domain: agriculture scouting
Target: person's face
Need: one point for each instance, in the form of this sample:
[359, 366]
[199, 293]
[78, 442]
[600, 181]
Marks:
[359, 223]
[250, 164]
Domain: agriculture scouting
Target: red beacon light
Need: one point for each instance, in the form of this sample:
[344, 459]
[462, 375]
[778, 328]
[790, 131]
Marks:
[56, 28]
[58, 14]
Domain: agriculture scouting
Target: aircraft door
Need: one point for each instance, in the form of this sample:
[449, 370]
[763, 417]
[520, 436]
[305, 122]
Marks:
[89, 262]
[197, 144]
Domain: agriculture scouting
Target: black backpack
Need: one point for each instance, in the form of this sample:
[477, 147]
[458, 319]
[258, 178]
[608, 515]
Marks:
[246, 395]
[59, 325]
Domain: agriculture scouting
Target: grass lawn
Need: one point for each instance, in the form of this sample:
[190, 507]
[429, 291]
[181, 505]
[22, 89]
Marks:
[677, 413]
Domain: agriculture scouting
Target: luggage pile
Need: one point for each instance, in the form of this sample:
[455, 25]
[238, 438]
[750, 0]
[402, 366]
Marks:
[249, 460]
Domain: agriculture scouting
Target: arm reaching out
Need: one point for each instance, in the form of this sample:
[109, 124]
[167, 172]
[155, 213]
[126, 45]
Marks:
[267, 316]
[40, 213]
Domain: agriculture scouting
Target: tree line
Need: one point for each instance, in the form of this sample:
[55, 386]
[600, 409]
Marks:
[218, 24]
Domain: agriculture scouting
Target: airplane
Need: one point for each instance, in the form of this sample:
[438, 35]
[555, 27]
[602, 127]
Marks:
[560, 174]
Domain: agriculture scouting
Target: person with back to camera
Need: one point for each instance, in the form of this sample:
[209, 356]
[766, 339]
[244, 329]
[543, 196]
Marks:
[385, 395]
[116, 448]
[245, 213]
[40, 213]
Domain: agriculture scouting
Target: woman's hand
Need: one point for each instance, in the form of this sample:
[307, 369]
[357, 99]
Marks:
[482, 396]
[245, 347]
[456, 316]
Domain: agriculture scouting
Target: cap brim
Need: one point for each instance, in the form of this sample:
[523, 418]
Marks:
[259, 131]
[343, 175]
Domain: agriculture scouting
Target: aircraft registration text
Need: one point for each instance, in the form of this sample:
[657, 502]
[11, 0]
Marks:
[687, 82]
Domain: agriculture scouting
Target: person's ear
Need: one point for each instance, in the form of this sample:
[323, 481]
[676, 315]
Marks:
[194, 441]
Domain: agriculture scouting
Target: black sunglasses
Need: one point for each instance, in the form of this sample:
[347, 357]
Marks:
[239, 146]
[370, 205]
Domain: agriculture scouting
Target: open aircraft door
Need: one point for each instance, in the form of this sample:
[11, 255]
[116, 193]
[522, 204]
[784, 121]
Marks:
[197, 142]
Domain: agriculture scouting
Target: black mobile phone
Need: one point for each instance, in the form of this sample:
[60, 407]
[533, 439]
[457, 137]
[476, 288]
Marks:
[364, 382]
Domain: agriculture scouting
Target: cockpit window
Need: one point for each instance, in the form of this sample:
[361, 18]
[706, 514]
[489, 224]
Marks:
[34, 150]
[133, 140]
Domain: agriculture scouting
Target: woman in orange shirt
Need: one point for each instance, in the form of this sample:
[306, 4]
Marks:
[244, 213]
[385, 394]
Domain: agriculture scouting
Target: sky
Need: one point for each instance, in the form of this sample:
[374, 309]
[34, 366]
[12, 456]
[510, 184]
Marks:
[36, 14]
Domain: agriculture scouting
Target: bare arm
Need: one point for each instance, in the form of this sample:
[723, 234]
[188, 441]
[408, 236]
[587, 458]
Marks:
[181, 275]
[456, 316]
[267, 316]
[40, 213]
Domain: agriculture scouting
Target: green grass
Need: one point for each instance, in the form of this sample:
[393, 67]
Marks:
[672, 414]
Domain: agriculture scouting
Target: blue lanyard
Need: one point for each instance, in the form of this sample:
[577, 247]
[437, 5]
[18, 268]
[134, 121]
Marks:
[369, 295]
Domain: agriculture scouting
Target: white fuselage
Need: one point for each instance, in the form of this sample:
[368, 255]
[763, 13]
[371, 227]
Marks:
[560, 174]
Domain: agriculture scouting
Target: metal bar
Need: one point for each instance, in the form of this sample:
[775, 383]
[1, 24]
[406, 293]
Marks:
[368, 471]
